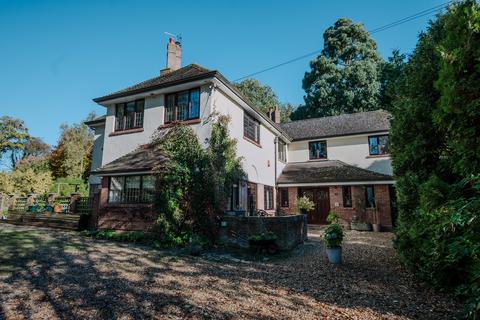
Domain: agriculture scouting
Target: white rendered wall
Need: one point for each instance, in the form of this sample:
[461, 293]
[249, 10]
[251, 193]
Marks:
[350, 149]
[258, 161]
[116, 146]
[97, 152]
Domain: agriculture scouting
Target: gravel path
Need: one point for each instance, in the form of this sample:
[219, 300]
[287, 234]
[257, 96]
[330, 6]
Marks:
[50, 274]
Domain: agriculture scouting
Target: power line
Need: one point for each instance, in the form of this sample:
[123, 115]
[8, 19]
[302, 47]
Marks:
[376, 30]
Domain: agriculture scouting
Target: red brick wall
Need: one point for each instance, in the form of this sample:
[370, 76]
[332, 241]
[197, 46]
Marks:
[292, 200]
[382, 198]
[126, 217]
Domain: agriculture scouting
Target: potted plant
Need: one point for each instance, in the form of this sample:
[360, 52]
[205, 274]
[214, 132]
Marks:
[264, 242]
[57, 207]
[333, 238]
[304, 204]
[376, 219]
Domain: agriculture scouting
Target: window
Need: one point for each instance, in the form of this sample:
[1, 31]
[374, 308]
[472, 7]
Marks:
[251, 128]
[378, 145]
[129, 115]
[347, 196]
[318, 149]
[131, 189]
[268, 197]
[182, 106]
[369, 197]
[282, 151]
[284, 198]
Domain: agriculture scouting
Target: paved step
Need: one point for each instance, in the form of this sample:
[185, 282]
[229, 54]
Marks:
[51, 220]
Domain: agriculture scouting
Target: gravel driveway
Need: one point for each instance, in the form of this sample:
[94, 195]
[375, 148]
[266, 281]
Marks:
[50, 274]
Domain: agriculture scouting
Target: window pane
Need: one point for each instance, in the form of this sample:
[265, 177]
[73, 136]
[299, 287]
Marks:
[132, 188]
[194, 104]
[347, 196]
[373, 143]
[284, 198]
[148, 188]
[318, 150]
[251, 128]
[169, 108]
[369, 197]
[139, 106]
[116, 189]
[182, 106]
[382, 144]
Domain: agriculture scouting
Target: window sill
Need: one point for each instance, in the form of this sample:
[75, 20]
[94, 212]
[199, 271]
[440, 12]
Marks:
[186, 122]
[326, 159]
[118, 133]
[377, 156]
[251, 141]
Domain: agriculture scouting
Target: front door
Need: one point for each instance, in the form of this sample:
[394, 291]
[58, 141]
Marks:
[321, 199]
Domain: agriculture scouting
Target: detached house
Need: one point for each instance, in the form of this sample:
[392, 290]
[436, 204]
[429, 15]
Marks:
[340, 162]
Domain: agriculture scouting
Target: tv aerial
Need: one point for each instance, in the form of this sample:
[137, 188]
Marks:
[178, 37]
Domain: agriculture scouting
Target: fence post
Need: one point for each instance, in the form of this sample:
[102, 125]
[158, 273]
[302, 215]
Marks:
[30, 200]
[74, 197]
[51, 198]
[11, 202]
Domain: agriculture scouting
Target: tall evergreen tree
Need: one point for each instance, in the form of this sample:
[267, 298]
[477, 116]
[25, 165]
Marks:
[390, 75]
[344, 78]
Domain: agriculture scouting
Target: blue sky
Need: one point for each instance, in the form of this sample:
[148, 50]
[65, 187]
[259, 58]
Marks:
[55, 56]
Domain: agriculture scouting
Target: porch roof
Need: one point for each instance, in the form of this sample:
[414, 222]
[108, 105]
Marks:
[329, 172]
[142, 160]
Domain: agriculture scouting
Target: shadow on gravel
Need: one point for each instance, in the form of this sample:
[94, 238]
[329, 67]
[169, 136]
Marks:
[67, 276]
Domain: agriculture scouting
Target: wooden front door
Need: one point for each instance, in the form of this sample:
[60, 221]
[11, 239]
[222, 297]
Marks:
[321, 199]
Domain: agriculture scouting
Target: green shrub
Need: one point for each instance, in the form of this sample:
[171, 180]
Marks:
[332, 217]
[333, 236]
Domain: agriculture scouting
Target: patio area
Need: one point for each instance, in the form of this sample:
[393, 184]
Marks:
[54, 274]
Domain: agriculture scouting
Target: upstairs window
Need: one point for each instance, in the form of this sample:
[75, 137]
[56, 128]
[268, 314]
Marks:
[378, 145]
[129, 115]
[182, 106]
[369, 197]
[347, 196]
[318, 149]
[268, 197]
[282, 151]
[251, 128]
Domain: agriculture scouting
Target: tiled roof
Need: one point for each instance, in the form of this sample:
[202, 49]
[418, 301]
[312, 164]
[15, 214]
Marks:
[96, 120]
[188, 73]
[144, 158]
[346, 124]
[329, 171]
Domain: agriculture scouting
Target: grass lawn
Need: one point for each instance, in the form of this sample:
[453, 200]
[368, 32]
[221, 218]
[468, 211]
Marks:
[51, 274]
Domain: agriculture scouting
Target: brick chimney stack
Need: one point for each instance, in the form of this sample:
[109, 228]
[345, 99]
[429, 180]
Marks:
[274, 114]
[174, 56]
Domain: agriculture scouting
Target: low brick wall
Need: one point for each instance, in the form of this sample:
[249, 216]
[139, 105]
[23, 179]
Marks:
[290, 230]
[126, 217]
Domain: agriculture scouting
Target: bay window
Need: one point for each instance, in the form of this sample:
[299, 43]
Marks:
[131, 189]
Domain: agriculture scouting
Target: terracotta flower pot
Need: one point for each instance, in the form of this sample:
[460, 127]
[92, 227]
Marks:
[57, 208]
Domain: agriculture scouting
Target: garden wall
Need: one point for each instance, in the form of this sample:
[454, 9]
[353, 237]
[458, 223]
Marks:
[290, 230]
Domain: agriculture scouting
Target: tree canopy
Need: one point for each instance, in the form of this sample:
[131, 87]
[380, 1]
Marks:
[13, 137]
[263, 97]
[434, 141]
[344, 78]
